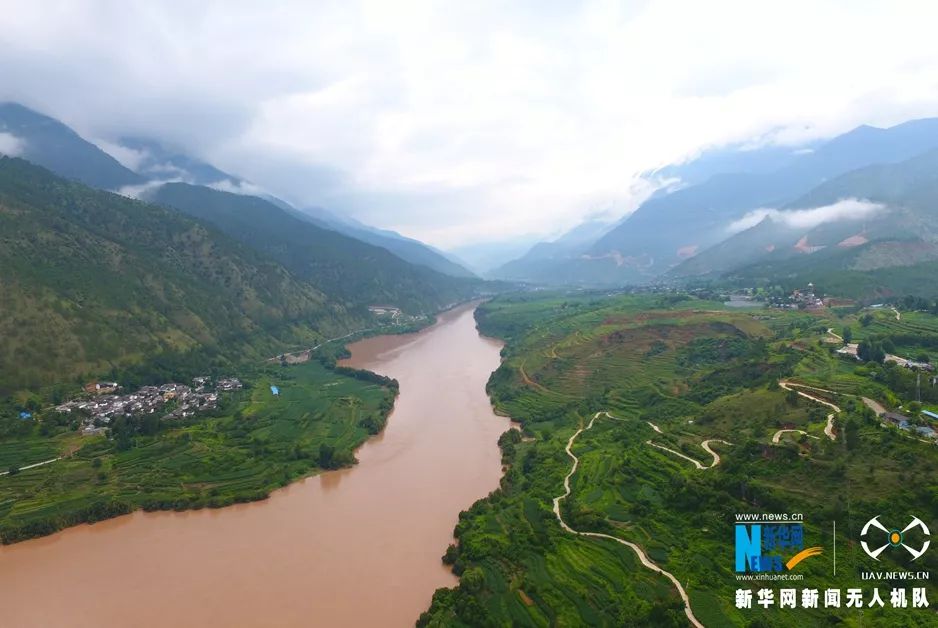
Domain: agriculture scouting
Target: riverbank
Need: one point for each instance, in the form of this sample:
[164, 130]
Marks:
[95, 484]
[317, 551]
[253, 445]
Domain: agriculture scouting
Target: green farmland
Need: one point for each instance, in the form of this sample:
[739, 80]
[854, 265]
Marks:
[255, 443]
[677, 372]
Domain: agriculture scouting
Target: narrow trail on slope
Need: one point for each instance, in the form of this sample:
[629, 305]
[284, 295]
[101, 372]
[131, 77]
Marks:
[304, 354]
[777, 437]
[33, 466]
[874, 405]
[527, 380]
[829, 428]
[705, 445]
[642, 557]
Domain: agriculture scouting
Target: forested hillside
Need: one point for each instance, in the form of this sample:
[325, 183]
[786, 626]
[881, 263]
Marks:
[353, 272]
[93, 280]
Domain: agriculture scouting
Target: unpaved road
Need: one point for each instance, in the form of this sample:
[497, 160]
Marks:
[829, 428]
[642, 557]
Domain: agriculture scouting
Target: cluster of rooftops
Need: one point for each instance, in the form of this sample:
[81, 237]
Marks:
[104, 401]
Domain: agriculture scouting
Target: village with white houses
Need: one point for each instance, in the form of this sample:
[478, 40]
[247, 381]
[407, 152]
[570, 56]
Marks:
[103, 401]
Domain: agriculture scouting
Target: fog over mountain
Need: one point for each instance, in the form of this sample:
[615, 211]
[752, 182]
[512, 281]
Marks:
[845, 209]
[461, 125]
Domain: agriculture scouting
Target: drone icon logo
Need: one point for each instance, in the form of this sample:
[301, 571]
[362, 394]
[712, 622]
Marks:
[895, 538]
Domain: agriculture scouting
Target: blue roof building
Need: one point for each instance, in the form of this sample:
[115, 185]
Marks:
[275, 390]
[930, 414]
[26, 415]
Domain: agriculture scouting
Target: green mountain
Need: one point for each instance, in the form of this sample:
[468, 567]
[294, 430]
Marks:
[158, 163]
[92, 280]
[52, 145]
[354, 273]
[407, 249]
[896, 224]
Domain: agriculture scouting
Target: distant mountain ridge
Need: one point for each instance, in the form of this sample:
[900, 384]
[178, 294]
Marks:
[53, 145]
[900, 227]
[155, 162]
[555, 252]
[158, 163]
[671, 228]
[407, 249]
[355, 272]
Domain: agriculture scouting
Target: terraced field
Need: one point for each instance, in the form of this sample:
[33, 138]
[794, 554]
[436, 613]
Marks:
[697, 373]
[257, 442]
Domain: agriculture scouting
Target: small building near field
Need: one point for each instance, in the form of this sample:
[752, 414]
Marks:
[899, 420]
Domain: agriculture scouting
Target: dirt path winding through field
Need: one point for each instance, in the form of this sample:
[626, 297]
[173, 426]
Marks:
[874, 405]
[642, 557]
[705, 444]
[32, 466]
[527, 380]
[777, 437]
[696, 463]
[829, 428]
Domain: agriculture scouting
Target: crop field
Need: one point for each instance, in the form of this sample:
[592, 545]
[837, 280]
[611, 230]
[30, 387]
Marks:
[255, 443]
[675, 373]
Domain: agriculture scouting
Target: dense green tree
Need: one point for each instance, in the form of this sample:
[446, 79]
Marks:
[871, 351]
[326, 456]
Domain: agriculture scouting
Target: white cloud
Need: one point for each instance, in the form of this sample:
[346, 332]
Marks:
[845, 209]
[142, 191]
[464, 122]
[10, 145]
[238, 187]
[128, 157]
[165, 169]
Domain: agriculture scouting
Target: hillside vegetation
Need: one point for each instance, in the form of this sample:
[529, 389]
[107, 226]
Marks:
[352, 272]
[92, 280]
[678, 377]
[254, 443]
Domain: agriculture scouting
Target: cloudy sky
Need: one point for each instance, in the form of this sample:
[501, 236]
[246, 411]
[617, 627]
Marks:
[463, 122]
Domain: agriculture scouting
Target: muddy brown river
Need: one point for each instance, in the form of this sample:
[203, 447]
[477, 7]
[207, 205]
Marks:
[355, 547]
